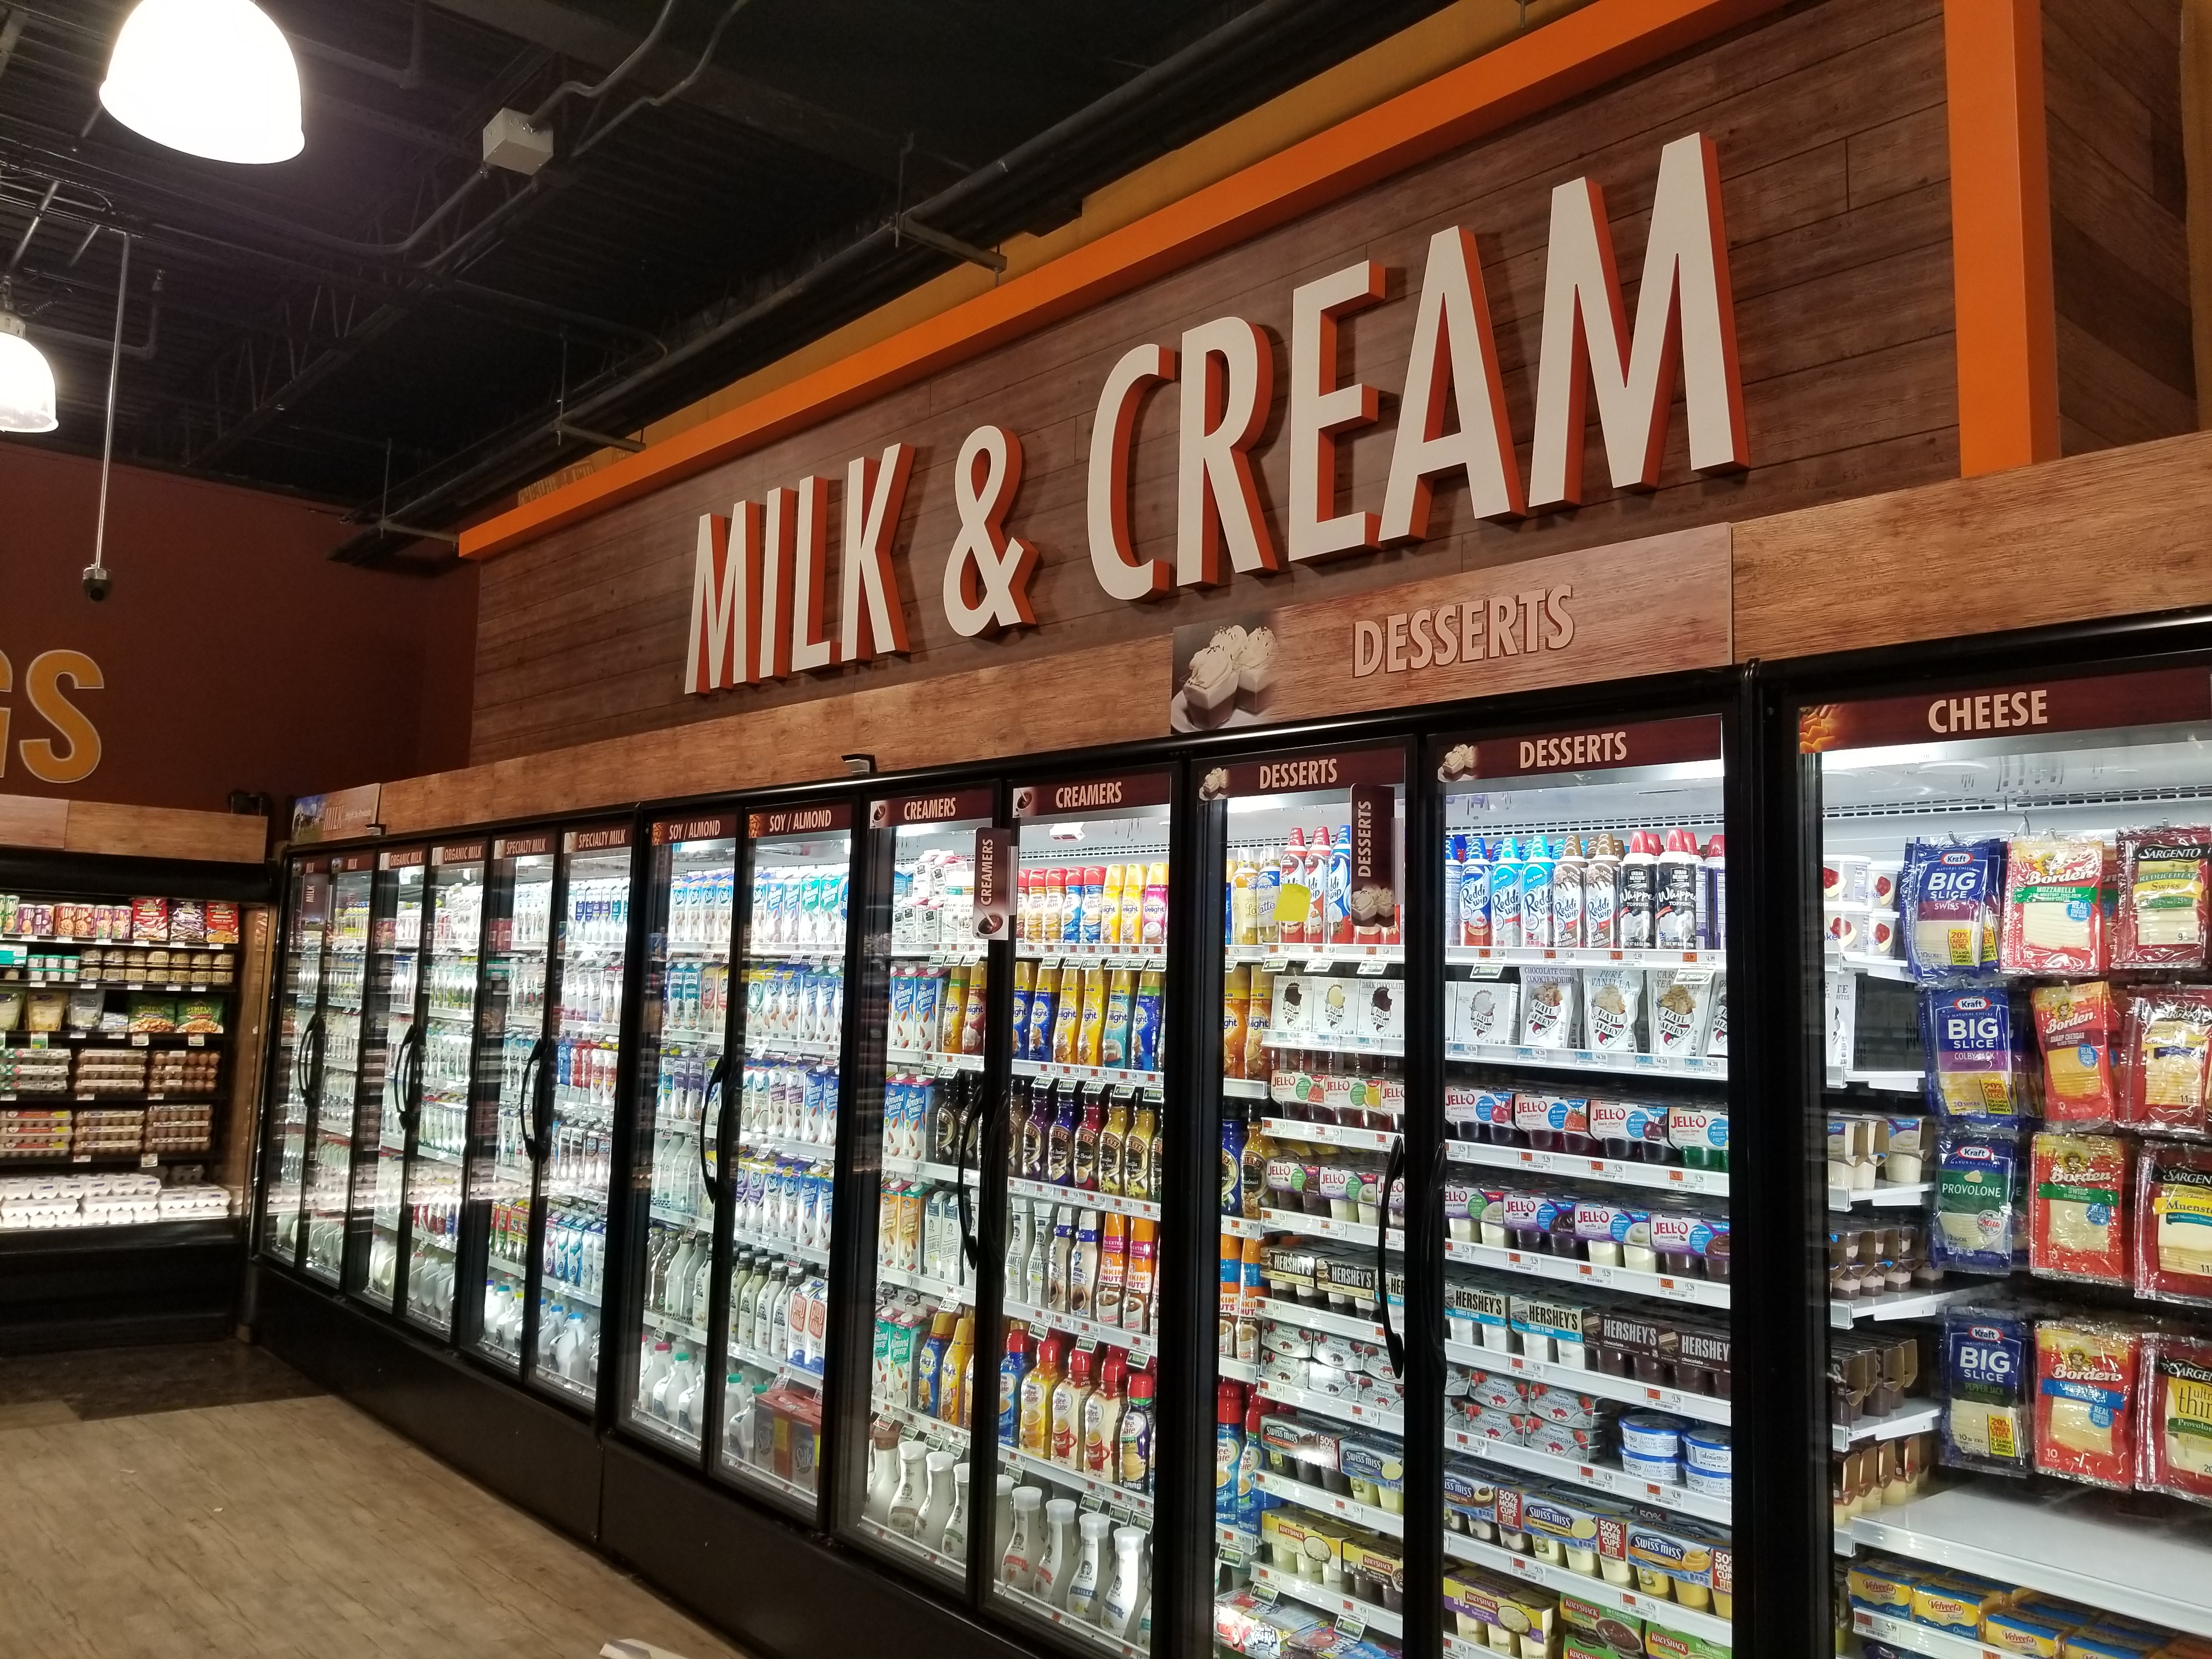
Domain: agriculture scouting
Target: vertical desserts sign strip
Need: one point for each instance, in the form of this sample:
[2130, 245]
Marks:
[1655, 606]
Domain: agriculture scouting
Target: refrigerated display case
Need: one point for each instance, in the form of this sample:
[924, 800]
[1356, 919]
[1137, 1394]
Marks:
[335, 1062]
[927, 989]
[389, 1043]
[681, 1066]
[1309, 1391]
[781, 1151]
[444, 1079]
[292, 1061]
[2009, 949]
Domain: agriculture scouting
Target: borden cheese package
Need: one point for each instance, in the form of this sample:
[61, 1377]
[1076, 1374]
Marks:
[1952, 891]
[2052, 921]
[2177, 1415]
[2173, 1227]
[2161, 917]
[2085, 1400]
[2075, 1025]
[2078, 1212]
[2168, 1039]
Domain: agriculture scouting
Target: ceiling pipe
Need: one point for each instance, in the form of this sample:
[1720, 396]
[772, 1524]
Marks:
[407, 80]
[143, 352]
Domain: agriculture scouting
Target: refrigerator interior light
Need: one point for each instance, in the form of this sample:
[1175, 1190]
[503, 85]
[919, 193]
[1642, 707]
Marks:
[27, 381]
[212, 78]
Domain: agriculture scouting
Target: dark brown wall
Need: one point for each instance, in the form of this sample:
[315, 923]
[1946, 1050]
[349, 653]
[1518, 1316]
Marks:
[2118, 232]
[1829, 125]
[236, 655]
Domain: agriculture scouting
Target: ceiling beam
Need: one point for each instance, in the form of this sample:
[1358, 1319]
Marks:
[564, 27]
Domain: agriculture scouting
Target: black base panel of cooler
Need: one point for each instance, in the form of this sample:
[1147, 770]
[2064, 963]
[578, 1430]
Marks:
[99, 1287]
[775, 1590]
[533, 1454]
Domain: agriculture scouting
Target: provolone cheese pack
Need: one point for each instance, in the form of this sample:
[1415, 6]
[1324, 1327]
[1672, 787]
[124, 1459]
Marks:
[2077, 1209]
[2173, 1230]
[2161, 915]
[2075, 1025]
[2177, 1416]
[1987, 1371]
[2168, 1043]
[1976, 1203]
[1952, 893]
[2053, 920]
[1975, 1070]
[2085, 1401]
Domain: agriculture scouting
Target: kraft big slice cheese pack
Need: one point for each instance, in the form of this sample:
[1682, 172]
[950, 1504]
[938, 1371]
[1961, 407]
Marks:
[1952, 892]
[1987, 1366]
[1975, 1054]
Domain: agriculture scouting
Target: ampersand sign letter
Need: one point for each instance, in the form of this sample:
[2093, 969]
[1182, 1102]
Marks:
[987, 580]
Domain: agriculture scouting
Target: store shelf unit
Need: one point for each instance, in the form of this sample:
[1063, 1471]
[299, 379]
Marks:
[1566, 1270]
[1703, 1407]
[1619, 1172]
[1592, 1477]
[1584, 1587]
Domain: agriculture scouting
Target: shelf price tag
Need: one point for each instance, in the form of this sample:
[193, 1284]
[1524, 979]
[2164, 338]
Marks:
[1350, 1627]
[1371, 968]
[195, 1041]
[1266, 1591]
[1318, 965]
[1092, 1504]
[149, 1160]
[139, 1040]
[1486, 970]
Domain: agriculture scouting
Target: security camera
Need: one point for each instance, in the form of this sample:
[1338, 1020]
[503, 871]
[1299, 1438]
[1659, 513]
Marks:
[97, 581]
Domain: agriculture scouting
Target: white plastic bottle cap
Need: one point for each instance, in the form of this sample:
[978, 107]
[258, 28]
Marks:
[1028, 1497]
[1095, 1525]
[1059, 1511]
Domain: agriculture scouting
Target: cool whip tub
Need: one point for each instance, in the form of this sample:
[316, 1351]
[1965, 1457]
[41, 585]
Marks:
[1710, 1450]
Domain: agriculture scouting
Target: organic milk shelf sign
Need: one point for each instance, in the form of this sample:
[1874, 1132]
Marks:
[762, 586]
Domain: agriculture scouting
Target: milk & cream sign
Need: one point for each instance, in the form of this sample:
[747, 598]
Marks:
[762, 590]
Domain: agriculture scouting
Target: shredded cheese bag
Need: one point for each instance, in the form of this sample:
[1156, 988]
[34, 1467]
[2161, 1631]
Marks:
[2075, 1025]
[2085, 1390]
[2177, 1449]
[2053, 923]
[2161, 916]
[2169, 1049]
[2076, 1216]
[2173, 1234]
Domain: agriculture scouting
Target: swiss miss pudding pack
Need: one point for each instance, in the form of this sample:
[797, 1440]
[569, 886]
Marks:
[2064, 993]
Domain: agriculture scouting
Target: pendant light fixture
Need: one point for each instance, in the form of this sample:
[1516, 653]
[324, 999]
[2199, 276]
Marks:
[214, 78]
[26, 380]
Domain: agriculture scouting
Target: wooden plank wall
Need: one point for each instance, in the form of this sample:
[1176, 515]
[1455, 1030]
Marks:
[153, 832]
[1830, 124]
[2118, 221]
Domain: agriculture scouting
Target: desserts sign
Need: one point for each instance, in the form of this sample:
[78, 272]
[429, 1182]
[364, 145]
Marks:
[761, 581]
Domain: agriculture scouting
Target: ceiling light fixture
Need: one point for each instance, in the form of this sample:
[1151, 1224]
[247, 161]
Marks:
[214, 78]
[27, 379]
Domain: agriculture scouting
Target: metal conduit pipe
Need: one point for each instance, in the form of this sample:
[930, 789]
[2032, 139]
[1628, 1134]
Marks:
[1004, 193]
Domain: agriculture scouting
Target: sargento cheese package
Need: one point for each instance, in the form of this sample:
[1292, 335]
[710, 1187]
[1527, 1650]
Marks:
[1977, 1201]
[2053, 922]
[1975, 1071]
[2085, 1401]
[1952, 899]
[1987, 1370]
[2167, 1038]
[2177, 1415]
[2173, 1225]
[2077, 1208]
[2075, 1025]
[2161, 918]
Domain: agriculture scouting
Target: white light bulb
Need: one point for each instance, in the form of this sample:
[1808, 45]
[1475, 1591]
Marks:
[212, 78]
[27, 381]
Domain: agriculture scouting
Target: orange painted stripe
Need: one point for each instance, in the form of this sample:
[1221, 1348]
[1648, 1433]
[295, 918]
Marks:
[2008, 342]
[1581, 51]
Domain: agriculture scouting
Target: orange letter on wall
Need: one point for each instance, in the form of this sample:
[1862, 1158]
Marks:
[1685, 320]
[1453, 352]
[1228, 383]
[42, 682]
[724, 598]
[1114, 558]
[774, 661]
[873, 620]
[1319, 408]
[812, 649]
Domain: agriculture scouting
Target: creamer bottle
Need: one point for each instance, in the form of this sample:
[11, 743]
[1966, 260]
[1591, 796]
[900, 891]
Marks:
[1082, 1265]
[1137, 1286]
[1266, 888]
[1113, 1135]
[1156, 907]
[1087, 1588]
[1243, 901]
[1017, 1566]
[1113, 1268]
[1315, 876]
[906, 1502]
[882, 1472]
[1069, 1396]
[1290, 873]
[1101, 1419]
[954, 1539]
[1036, 1433]
[937, 1498]
[1136, 1474]
[1063, 1251]
[1110, 918]
[1057, 1565]
[1125, 1597]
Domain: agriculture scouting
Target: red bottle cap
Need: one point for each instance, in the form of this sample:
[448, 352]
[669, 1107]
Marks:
[1681, 840]
[1717, 847]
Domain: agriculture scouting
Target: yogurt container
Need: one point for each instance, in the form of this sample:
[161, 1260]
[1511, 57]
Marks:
[1710, 1485]
[1710, 1450]
[1659, 1471]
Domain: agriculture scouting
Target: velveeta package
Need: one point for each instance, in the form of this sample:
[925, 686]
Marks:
[2075, 1026]
[1952, 892]
[2161, 917]
[2053, 920]
[2168, 1040]
[1972, 1045]
[1956, 1602]
[2085, 1388]
[1987, 1366]
[1883, 1586]
[2173, 1228]
[2077, 1210]
[2177, 1416]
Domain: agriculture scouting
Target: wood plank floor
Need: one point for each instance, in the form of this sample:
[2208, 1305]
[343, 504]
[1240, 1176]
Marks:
[273, 1525]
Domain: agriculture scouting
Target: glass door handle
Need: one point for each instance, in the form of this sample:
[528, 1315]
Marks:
[303, 1068]
[1391, 1174]
[532, 1111]
[720, 1115]
[965, 1122]
[411, 1079]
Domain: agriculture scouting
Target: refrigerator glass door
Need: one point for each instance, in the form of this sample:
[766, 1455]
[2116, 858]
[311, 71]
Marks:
[2012, 942]
[921, 1282]
[1309, 1400]
[387, 998]
[519, 924]
[787, 1101]
[681, 1066]
[337, 1056]
[575, 1108]
[306, 917]
[438, 1142]
[1086, 1120]
[1585, 1187]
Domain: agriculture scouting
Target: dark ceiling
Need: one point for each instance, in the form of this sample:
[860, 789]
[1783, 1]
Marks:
[384, 323]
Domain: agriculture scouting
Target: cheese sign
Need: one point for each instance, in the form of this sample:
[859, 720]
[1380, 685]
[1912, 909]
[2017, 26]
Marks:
[763, 589]
[2089, 703]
